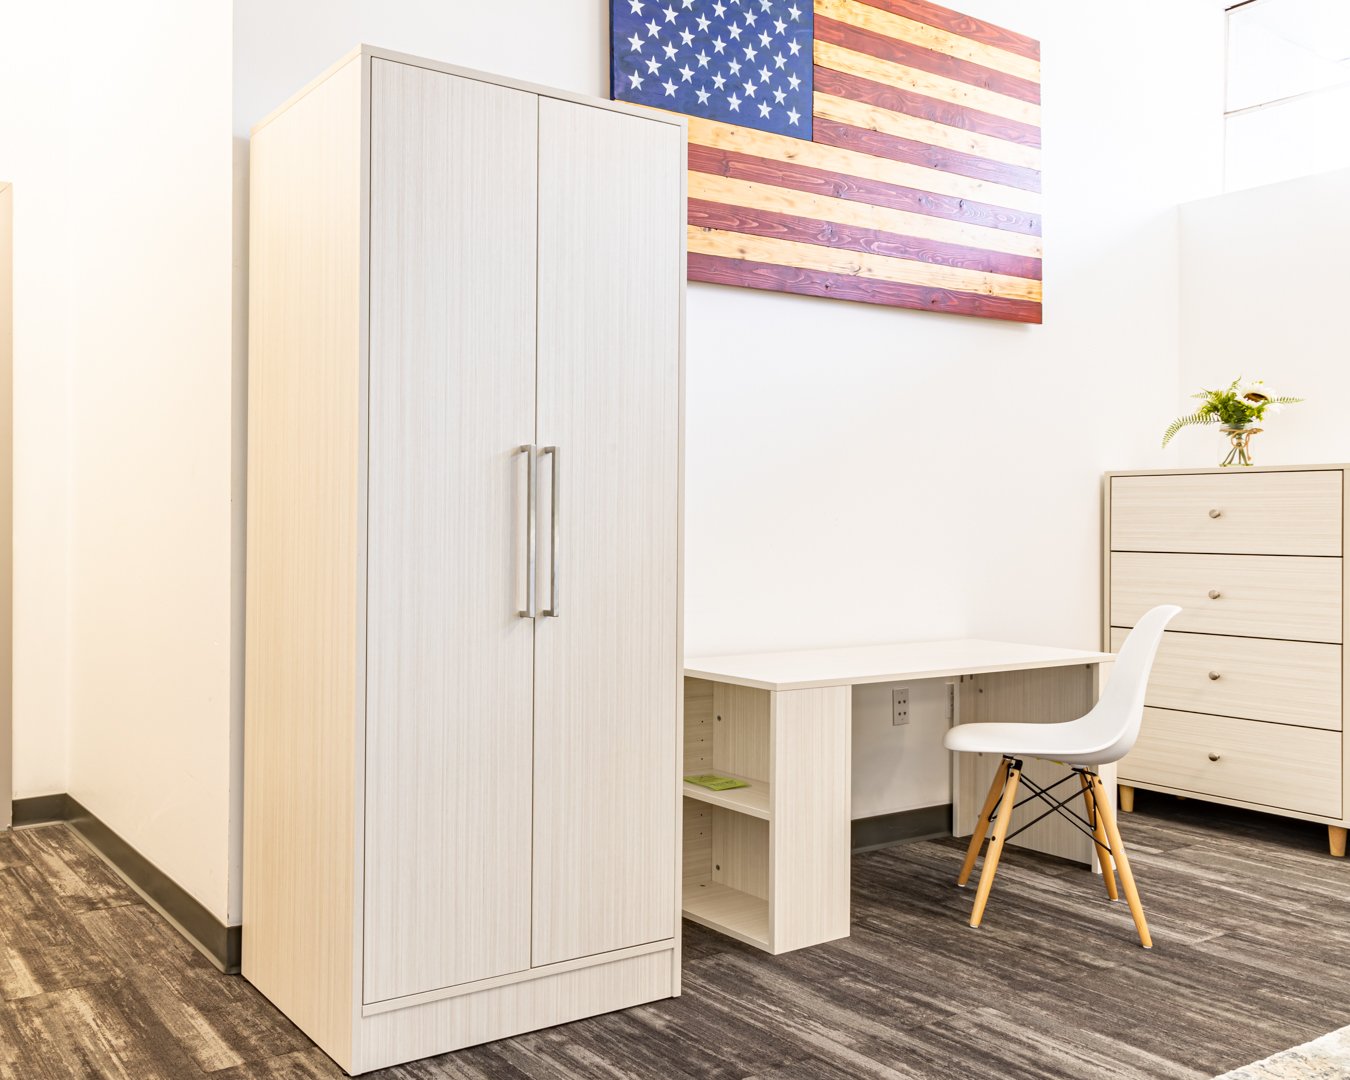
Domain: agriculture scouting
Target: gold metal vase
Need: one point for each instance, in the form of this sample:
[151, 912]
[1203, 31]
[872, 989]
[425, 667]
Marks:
[1240, 437]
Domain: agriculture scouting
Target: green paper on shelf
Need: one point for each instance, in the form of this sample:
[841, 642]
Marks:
[715, 783]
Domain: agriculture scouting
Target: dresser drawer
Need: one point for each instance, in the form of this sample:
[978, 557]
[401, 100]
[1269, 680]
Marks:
[1286, 513]
[1282, 682]
[1288, 768]
[1270, 596]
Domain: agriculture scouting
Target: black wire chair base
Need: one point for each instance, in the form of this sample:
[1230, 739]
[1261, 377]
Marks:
[1087, 826]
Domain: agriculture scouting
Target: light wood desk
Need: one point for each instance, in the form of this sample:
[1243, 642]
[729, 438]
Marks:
[768, 864]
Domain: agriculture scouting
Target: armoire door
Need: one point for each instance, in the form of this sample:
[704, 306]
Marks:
[611, 221]
[449, 659]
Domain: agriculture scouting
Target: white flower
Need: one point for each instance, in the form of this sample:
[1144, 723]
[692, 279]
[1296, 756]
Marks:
[1255, 390]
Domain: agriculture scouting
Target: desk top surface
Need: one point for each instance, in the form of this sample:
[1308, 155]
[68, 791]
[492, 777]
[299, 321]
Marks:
[898, 662]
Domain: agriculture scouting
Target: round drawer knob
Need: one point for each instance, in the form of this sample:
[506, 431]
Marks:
[1214, 594]
[1214, 676]
[1216, 513]
[1213, 756]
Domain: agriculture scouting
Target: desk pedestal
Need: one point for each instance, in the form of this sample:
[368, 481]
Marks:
[768, 864]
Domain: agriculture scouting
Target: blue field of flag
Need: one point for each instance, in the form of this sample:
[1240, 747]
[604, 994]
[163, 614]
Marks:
[745, 62]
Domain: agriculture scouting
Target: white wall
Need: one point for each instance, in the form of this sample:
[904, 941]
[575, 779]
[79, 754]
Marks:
[116, 134]
[859, 474]
[34, 121]
[1264, 286]
[151, 587]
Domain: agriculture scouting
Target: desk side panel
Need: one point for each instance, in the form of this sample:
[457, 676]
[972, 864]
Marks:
[1041, 696]
[810, 736]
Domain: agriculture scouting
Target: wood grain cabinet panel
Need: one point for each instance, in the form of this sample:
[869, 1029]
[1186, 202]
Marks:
[1289, 597]
[1281, 682]
[1275, 765]
[1243, 514]
[449, 661]
[607, 682]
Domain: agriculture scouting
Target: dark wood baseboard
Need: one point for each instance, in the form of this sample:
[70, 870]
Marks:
[219, 942]
[885, 829]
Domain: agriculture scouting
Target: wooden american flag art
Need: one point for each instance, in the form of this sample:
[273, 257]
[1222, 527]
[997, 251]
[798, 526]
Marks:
[883, 151]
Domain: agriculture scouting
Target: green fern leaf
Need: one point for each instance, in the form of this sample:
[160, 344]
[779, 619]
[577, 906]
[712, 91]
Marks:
[1183, 421]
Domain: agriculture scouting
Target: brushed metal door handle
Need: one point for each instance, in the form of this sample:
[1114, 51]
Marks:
[530, 547]
[551, 611]
[1213, 756]
[1214, 594]
[1214, 676]
[1216, 513]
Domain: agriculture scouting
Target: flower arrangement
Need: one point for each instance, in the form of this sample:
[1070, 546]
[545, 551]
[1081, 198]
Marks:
[1237, 406]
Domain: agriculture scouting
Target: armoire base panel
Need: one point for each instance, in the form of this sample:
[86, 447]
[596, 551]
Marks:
[440, 1027]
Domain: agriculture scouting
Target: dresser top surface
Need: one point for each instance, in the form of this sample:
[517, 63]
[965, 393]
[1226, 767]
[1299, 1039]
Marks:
[894, 662]
[1244, 470]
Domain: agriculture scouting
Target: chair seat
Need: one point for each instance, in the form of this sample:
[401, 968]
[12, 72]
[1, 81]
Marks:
[1069, 742]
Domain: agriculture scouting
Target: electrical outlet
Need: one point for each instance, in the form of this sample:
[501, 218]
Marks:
[900, 705]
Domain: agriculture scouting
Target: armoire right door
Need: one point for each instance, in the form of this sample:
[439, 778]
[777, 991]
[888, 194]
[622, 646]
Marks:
[611, 222]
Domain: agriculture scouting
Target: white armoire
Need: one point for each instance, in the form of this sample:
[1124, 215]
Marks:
[463, 664]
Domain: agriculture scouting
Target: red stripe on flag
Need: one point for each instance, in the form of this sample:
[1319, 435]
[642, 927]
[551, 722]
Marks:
[830, 234]
[898, 51]
[788, 174]
[879, 144]
[855, 88]
[964, 25]
[756, 275]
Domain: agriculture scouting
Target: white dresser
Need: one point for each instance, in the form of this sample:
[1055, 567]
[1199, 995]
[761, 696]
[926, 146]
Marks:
[1245, 706]
[463, 685]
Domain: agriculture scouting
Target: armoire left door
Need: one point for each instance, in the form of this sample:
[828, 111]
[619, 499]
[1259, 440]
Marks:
[449, 694]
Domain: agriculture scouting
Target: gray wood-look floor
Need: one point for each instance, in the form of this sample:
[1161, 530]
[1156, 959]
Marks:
[1251, 920]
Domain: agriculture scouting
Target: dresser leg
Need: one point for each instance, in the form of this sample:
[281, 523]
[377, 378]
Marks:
[1337, 834]
[1126, 799]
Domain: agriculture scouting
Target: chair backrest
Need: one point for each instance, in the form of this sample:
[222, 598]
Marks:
[1120, 712]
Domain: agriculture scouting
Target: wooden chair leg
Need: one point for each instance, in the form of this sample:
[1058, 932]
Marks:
[1126, 794]
[1001, 828]
[1336, 833]
[982, 826]
[1122, 861]
[1103, 844]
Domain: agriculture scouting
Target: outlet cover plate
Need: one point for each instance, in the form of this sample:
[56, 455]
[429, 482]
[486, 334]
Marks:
[900, 705]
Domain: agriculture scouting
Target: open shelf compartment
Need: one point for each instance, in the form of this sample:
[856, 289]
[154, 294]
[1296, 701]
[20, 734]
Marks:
[728, 911]
[727, 833]
[752, 800]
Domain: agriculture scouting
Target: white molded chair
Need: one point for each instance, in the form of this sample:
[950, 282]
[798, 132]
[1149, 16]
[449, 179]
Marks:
[1104, 735]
